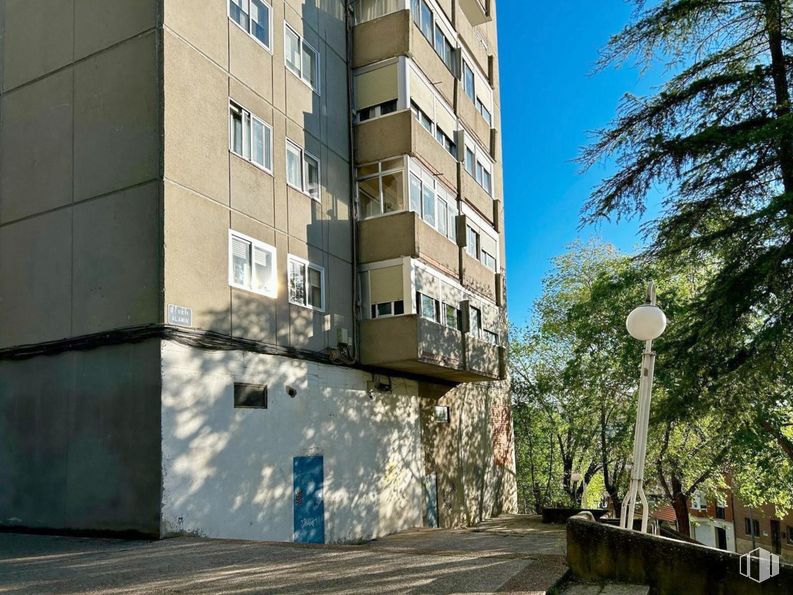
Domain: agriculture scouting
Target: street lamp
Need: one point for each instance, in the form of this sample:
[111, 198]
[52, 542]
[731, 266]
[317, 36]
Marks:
[645, 323]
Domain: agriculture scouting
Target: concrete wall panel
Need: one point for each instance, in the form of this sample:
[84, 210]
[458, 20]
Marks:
[39, 38]
[35, 279]
[36, 156]
[204, 25]
[196, 257]
[196, 121]
[80, 440]
[250, 62]
[117, 140]
[99, 23]
[117, 250]
[251, 191]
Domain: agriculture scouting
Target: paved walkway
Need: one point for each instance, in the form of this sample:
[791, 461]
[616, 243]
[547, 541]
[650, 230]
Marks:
[509, 554]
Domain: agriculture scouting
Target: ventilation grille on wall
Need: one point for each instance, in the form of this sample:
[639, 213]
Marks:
[250, 396]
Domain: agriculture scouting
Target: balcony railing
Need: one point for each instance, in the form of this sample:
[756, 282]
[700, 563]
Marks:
[414, 345]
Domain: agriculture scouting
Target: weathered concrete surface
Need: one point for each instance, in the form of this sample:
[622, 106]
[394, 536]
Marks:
[511, 554]
[80, 440]
[600, 553]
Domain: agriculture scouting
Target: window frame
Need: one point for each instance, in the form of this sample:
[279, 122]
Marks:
[314, 85]
[254, 243]
[248, 14]
[436, 303]
[374, 314]
[382, 172]
[292, 259]
[484, 109]
[302, 153]
[441, 194]
[247, 136]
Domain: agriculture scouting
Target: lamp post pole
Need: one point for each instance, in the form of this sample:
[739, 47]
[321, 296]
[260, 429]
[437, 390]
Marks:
[644, 323]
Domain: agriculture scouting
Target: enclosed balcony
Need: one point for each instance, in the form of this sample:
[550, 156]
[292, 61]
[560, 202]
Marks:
[477, 11]
[402, 134]
[424, 36]
[405, 234]
[414, 345]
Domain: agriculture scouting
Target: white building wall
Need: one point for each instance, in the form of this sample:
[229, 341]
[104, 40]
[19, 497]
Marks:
[228, 472]
[705, 532]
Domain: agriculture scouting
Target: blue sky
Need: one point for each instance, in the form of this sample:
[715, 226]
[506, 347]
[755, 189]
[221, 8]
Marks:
[550, 104]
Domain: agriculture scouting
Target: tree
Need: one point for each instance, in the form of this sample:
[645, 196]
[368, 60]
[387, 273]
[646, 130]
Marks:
[563, 373]
[718, 139]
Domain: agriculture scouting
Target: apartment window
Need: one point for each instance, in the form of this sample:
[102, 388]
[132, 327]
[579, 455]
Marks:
[451, 316]
[442, 414]
[368, 10]
[429, 308]
[485, 112]
[428, 204]
[470, 84]
[444, 140]
[468, 81]
[475, 322]
[470, 162]
[751, 526]
[483, 177]
[381, 188]
[443, 48]
[302, 170]
[790, 534]
[422, 16]
[301, 58]
[472, 242]
[306, 284]
[433, 203]
[488, 260]
[431, 29]
[490, 337]
[312, 175]
[254, 17]
[294, 167]
[387, 309]
[251, 265]
[421, 116]
[250, 137]
[375, 111]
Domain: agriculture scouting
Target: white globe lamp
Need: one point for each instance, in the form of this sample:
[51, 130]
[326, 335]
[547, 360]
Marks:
[646, 323]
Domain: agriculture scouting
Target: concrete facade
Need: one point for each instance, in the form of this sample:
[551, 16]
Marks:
[121, 190]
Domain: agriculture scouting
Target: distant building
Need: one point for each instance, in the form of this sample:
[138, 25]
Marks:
[771, 531]
[712, 522]
[252, 268]
[728, 524]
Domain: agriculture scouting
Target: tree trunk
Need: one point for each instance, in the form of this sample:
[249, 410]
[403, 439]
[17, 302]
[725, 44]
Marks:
[680, 504]
[773, 20]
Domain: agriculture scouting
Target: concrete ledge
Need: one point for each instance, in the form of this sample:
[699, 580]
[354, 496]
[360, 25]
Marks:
[601, 553]
[560, 515]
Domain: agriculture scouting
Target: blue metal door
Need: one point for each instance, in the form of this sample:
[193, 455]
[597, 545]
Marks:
[309, 509]
[431, 501]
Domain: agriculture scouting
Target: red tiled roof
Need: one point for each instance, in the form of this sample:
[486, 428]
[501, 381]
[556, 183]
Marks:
[665, 513]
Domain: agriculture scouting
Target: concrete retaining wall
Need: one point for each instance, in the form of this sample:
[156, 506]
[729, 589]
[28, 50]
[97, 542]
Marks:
[601, 553]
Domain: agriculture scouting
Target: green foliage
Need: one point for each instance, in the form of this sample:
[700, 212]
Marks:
[717, 138]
